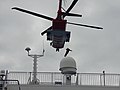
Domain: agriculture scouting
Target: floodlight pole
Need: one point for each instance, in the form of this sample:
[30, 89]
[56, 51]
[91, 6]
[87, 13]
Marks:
[35, 57]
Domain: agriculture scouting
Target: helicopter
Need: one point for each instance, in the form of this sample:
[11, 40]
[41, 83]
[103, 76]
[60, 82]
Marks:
[57, 33]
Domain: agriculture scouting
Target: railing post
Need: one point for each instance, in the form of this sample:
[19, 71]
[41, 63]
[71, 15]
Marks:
[77, 79]
[30, 76]
[52, 78]
[104, 77]
[100, 79]
[119, 80]
[80, 79]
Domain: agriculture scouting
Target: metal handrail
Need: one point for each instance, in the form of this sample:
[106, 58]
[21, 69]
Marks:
[98, 79]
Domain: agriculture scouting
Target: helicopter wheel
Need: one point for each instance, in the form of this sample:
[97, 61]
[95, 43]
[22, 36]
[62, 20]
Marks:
[57, 50]
[51, 43]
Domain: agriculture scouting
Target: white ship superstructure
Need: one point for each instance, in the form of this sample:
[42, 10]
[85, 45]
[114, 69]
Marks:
[67, 79]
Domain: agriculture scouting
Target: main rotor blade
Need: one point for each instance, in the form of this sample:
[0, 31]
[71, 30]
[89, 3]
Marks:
[70, 8]
[85, 25]
[72, 14]
[33, 13]
[46, 30]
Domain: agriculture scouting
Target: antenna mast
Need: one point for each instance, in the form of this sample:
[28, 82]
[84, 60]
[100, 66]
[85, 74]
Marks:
[35, 57]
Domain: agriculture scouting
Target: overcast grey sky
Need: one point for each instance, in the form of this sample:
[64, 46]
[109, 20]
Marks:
[94, 51]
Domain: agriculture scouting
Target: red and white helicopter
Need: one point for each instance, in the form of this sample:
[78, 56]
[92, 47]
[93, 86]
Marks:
[57, 32]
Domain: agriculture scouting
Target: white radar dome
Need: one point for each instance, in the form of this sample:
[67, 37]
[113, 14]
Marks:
[68, 66]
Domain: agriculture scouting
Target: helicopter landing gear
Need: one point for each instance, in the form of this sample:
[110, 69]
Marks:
[51, 43]
[57, 50]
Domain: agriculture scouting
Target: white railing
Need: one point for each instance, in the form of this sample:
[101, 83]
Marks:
[97, 79]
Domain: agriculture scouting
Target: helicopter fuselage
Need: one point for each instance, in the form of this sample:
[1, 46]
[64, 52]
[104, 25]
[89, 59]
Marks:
[58, 34]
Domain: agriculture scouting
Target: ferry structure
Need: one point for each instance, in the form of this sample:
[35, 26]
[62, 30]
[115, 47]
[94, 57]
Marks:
[66, 79]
